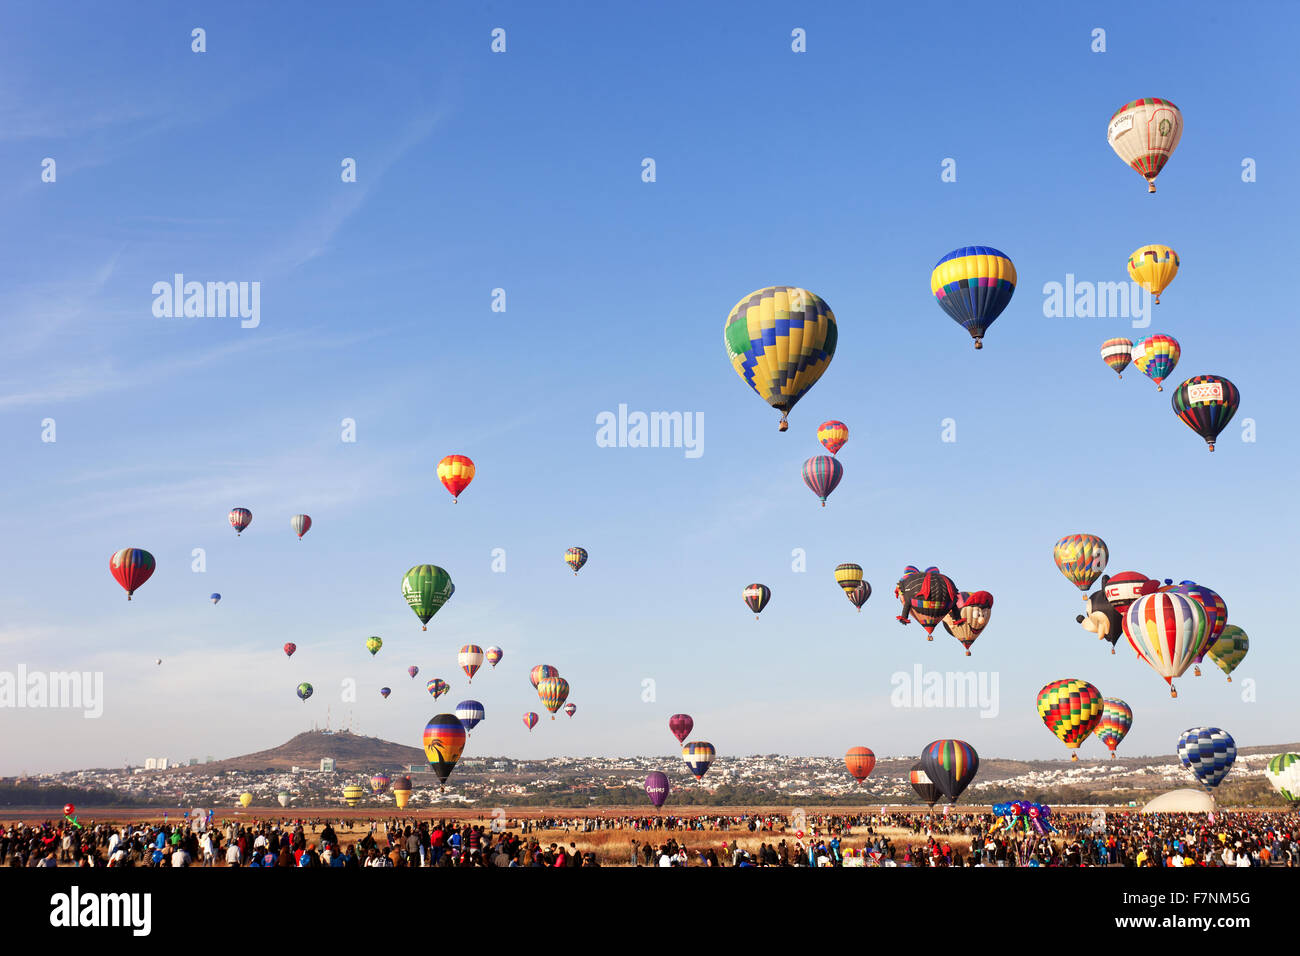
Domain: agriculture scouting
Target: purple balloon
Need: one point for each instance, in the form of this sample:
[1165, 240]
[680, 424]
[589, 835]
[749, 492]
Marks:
[656, 788]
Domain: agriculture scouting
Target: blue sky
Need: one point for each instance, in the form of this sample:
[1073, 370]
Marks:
[522, 171]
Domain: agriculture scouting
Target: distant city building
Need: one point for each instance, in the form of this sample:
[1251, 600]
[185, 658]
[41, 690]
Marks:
[327, 765]
[194, 761]
[150, 763]
[162, 763]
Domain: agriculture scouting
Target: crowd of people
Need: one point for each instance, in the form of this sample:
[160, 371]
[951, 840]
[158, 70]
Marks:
[960, 839]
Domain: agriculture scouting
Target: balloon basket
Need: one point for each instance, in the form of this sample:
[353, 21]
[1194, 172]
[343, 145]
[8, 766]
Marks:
[929, 637]
[1151, 187]
[1229, 680]
[1172, 691]
[979, 344]
[1211, 444]
[1112, 650]
[1196, 671]
[1074, 756]
[783, 425]
[968, 653]
[424, 627]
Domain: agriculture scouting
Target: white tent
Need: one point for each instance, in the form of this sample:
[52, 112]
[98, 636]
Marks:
[1181, 801]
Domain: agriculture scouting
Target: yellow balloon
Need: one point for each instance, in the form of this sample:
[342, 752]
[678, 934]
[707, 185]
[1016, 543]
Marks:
[245, 799]
[1153, 268]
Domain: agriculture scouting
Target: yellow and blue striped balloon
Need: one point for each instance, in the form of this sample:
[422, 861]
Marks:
[973, 285]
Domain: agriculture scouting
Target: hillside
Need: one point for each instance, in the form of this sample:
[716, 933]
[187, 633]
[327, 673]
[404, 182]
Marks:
[351, 753]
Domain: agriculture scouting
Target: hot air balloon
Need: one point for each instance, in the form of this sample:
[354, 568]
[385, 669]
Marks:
[1206, 403]
[470, 659]
[541, 671]
[553, 692]
[570, 709]
[427, 588]
[860, 761]
[1167, 630]
[657, 788]
[1153, 268]
[1216, 615]
[353, 794]
[1229, 650]
[531, 719]
[1071, 709]
[1081, 558]
[927, 597]
[575, 558]
[969, 616]
[858, 596]
[379, 782]
[289, 649]
[455, 472]
[384, 692]
[1144, 133]
[923, 785]
[833, 435]
[469, 713]
[780, 340]
[240, 518]
[1208, 753]
[1117, 353]
[401, 797]
[1283, 772]
[757, 596]
[283, 798]
[437, 687]
[1155, 357]
[413, 670]
[699, 755]
[493, 656]
[973, 285]
[951, 765]
[848, 576]
[214, 597]
[1116, 719]
[304, 691]
[69, 809]
[822, 474]
[300, 524]
[681, 726]
[245, 799]
[131, 567]
[444, 740]
[373, 644]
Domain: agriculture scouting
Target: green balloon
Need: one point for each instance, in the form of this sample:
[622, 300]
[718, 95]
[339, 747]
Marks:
[426, 588]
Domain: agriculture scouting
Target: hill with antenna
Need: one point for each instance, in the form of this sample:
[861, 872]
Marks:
[350, 752]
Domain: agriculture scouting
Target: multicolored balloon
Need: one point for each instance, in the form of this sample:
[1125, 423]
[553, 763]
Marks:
[699, 756]
[1229, 650]
[553, 692]
[1081, 558]
[781, 340]
[858, 596]
[1071, 709]
[1117, 353]
[822, 474]
[470, 659]
[373, 644]
[1168, 630]
[927, 597]
[379, 782]
[657, 788]
[681, 726]
[1208, 753]
[570, 709]
[860, 761]
[833, 435]
[757, 596]
[973, 284]
[1283, 772]
[1206, 403]
[304, 691]
[1153, 268]
[426, 588]
[1156, 356]
[470, 713]
[969, 616]
[413, 670]
[437, 687]
[300, 524]
[1145, 133]
[289, 649]
[444, 741]
[848, 576]
[542, 671]
[951, 765]
[1216, 614]
[923, 785]
[384, 692]
[575, 558]
[240, 518]
[493, 656]
[531, 719]
[455, 472]
[131, 567]
[1116, 719]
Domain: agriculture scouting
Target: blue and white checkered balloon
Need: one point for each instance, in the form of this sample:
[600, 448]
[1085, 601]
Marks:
[1207, 752]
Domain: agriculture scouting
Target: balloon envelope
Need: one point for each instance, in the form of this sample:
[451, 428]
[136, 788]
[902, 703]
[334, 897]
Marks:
[681, 726]
[832, 435]
[444, 741]
[923, 785]
[470, 659]
[973, 284]
[1153, 268]
[1116, 719]
[1117, 353]
[860, 761]
[1145, 133]
[657, 788]
[1081, 558]
[1155, 357]
[699, 756]
[822, 475]
[1205, 404]
[131, 567]
[455, 472]
[300, 524]
[426, 588]
[1071, 709]
[575, 558]
[240, 518]
[1208, 753]
[951, 765]
[757, 596]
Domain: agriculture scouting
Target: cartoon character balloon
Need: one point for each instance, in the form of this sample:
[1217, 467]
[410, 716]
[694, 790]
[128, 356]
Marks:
[969, 616]
[927, 597]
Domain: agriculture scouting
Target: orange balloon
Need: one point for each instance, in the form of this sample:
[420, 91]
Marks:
[455, 472]
[860, 761]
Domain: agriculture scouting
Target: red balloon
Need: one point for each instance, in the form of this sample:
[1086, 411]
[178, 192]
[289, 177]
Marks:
[289, 649]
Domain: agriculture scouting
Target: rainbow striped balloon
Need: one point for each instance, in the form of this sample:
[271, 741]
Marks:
[553, 692]
[1155, 357]
[444, 741]
[493, 655]
[531, 719]
[575, 558]
[1168, 630]
[950, 765]
[1116, 719]
[470, 659]
[131, 567]
[1071, 709]
[822, 474]
[1117, 353]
